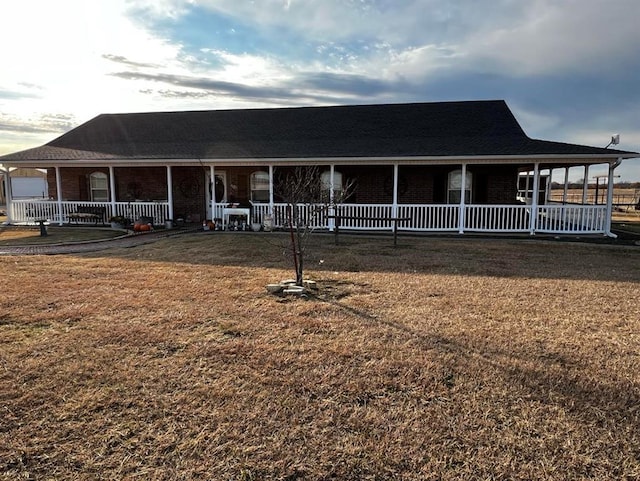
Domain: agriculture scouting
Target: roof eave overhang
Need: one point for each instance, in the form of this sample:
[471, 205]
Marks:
[568, 159]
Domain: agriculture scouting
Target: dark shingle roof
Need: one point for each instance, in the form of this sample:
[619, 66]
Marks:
[393, 130]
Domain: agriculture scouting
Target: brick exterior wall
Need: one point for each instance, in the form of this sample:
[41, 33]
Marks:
[495, 184]
[492, 184]
[74, 182]
[189, 195]
[415, 185]
[139, 183]
[373, 185]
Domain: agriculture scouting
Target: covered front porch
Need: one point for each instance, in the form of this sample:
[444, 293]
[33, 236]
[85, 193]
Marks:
[405, 192]
[486, 201]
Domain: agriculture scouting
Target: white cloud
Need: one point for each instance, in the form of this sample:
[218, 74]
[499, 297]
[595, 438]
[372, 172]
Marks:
[416, 39]
[251, 69]
[61, 53]
[559, 37]
[161, 8]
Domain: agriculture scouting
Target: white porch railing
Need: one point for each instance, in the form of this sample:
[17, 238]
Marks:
[315, 214]
[158, 211]
[429, 218]
[497, 218]
[319, 215]
[572, 219]
[559, 219]
[28, 211]
[552, 219]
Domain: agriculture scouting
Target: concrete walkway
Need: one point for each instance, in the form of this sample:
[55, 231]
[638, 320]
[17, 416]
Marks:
[91, 246]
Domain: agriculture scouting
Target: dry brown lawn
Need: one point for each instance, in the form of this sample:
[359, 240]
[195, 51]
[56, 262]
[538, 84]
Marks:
[30, 235]
[440, 359]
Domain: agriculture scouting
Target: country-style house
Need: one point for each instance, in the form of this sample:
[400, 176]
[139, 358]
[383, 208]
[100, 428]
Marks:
[448, 166]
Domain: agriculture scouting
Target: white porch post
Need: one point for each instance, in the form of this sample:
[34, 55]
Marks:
[565, 193]
[533, 219]
[271, 188]
[463, 200]
[394, 207]
[9, 195]
[59, 194]
[585, 185]
[332, 207]
[212, 185]
[112, 189]
[271, 213]
[607, 227]
[547, 188]
[332, 169]
[170, 192]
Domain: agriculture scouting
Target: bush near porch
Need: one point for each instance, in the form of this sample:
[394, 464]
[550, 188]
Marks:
[440, 359]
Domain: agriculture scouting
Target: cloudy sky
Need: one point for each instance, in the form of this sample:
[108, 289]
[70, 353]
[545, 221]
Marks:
[569, 69]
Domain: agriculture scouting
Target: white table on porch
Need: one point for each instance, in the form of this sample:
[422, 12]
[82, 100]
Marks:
[237, 211]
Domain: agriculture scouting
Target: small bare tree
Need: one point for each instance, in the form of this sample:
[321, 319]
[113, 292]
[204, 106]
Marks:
[308, 204]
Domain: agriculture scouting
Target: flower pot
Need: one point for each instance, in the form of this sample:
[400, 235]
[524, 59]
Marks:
[268, 223]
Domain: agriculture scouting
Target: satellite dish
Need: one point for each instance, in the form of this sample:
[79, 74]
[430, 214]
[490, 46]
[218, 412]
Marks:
[615, 140]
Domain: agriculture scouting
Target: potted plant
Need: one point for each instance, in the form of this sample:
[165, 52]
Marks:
[118, 222]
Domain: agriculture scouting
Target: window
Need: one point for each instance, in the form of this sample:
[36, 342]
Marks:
[325, 178]
[260, 186]
[454, 187]
[98, 187]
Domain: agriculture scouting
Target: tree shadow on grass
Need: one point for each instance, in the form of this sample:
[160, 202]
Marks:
[606, 404]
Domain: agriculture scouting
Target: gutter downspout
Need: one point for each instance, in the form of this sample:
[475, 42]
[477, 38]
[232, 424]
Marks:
[612, 167]
[585, 185]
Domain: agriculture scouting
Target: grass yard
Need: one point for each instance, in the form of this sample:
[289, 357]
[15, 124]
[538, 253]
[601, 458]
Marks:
[30, 235]
[440, 359]
[626, 221]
